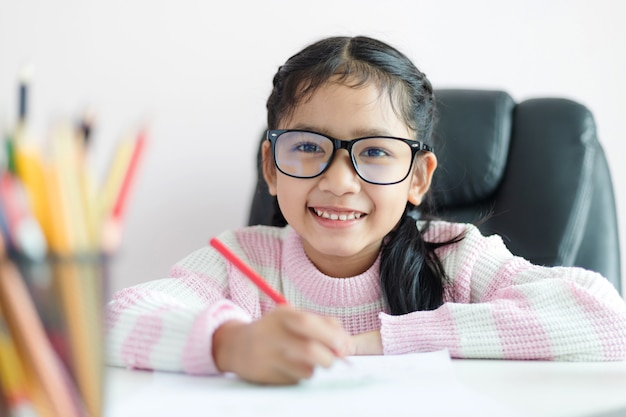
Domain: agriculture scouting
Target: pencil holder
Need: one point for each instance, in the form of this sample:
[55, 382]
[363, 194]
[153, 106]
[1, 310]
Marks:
[69, 295]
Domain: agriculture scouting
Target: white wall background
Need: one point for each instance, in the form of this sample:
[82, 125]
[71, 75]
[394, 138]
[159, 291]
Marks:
[200, 71]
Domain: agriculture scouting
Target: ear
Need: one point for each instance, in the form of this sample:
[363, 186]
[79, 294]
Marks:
[423, 171]
[269, 169]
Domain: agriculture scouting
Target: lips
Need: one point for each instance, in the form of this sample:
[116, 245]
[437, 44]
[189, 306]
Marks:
[340, 216]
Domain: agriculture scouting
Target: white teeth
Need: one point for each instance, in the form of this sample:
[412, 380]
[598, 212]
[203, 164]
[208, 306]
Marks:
[341, 217]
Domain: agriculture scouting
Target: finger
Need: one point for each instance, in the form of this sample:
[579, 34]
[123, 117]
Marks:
[283, 365]
[345, 342]
[292, 372]
[313, 327]
[275, 376]
[310, 353]
[332, 321]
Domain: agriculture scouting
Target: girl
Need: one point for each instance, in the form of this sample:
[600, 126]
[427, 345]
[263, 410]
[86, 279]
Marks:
[349, 157]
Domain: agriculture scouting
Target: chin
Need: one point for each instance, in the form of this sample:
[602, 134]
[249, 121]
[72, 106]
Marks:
[332, 248]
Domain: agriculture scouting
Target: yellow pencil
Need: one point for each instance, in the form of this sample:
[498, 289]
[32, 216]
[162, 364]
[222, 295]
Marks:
[66, 161]
[115, 176]
[74, 272]
[30, 169]
[12, 374]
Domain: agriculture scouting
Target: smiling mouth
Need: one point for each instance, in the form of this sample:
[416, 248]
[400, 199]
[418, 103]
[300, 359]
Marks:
[344, 216]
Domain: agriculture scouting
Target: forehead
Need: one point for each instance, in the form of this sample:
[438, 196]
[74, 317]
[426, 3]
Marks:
[342, 108]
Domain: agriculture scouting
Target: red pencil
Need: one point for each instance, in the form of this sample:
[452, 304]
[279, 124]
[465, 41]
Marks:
[249, 272]
[112, 227]
[255, 278]
[131, 170]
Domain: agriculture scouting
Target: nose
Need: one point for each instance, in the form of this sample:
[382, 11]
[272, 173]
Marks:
[340, 177]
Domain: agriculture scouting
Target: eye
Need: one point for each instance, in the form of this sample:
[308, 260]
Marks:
[372, 152]
[308, 147]
[380, 150]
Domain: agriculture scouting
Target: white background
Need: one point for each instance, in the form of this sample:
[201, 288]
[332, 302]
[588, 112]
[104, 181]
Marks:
[199, 72]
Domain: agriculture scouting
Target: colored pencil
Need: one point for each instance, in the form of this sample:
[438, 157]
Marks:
[25, 77]
[25, 233]
[130, 174]
[112, 183]
[21, 315]
[60, 296]
[13, 379]
[30, 168]
[248, 272]
[256, 279]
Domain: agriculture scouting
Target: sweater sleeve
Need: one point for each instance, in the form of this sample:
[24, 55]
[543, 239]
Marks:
[502, 307]
[168, 324]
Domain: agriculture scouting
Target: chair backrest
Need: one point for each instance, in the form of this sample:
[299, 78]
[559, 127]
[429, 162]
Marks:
[532, 172]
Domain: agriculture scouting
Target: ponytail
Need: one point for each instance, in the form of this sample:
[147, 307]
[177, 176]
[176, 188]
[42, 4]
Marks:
[411, 273]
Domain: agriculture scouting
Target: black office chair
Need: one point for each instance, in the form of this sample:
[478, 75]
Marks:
[532, 172]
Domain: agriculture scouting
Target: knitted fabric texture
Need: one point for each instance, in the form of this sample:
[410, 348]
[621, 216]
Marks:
[496, 305]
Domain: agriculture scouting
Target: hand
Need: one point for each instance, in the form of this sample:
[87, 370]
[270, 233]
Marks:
[282, 347]
[368, 343]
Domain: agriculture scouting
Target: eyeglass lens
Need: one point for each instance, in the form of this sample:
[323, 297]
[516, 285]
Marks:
[377, 160]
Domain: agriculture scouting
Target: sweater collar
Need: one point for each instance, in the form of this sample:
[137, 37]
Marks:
[322, 289]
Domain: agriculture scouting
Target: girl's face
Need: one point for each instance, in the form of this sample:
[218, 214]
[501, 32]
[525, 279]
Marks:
[348, 245]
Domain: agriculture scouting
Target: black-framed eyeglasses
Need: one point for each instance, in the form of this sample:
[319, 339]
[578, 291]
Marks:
[382, 160]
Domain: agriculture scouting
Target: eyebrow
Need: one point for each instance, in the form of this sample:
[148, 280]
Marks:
[358, 133]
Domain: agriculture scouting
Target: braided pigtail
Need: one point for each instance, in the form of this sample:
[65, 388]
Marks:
[412, 276]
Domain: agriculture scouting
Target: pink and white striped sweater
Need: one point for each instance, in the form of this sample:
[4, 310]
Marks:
[496, 305]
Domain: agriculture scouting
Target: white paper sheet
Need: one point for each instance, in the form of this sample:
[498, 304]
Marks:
[406, 385]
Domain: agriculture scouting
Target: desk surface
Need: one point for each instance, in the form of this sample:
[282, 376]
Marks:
[551, 389]
[532, 388]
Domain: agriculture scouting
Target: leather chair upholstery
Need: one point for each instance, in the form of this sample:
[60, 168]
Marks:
[532, 172]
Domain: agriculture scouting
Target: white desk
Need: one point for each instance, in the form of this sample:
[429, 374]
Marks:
[542, 389]
[551, 389]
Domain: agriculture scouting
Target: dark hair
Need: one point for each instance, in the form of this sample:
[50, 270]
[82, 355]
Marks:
[412, 276]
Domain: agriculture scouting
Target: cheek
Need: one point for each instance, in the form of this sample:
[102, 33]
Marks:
[291, 196]
[391, 199]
